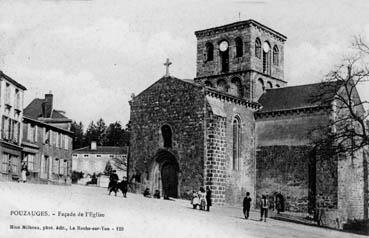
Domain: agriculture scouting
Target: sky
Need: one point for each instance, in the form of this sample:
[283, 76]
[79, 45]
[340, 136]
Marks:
[93, 54]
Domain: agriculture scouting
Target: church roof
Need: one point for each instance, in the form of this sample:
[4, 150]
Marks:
[298, 97]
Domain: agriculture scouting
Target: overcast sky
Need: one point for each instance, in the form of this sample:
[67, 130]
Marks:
[94, 54]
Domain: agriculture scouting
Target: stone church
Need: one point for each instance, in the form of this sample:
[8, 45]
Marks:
[237, 127]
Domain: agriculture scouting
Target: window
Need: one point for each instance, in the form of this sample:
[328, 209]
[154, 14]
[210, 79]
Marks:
[56, 135]
[65, 168]
[239, 47]
[266, 58]
[47, 136]
[30, 132]
[275, 55]
[85, 155]
[235, 87]
[166, 132]
[236, 143]
[222, 85]
[261, 84]
[56, 166]
[7, 94]
[16, 131]
[66, 142]
[5, 128]
[17, 100]
[269, 84]
[14, 163]
[4, 163]
[98, 156]
[61, 167]
[258, 48]
[209, 51]
[45, 167]
[208, 84]
[30, 159]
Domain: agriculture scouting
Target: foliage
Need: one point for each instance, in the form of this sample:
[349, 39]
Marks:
[347, 130]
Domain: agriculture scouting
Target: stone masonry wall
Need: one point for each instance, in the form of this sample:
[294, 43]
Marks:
[180, 105]
[230, 185]
[285, 170]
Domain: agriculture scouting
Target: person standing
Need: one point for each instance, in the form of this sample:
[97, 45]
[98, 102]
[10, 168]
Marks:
[113, 182]
[208, 199]
[202, 198]
[264, 205]
[247, 205]
[124, 186]
[24, 172]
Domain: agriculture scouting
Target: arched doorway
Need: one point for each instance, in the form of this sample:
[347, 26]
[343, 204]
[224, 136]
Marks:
[164, 174]
[169, 177]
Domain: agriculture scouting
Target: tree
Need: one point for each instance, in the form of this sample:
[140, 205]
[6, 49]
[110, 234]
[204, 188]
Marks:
[116, 136]
[100, 132]
[77, 129]
[347, 130]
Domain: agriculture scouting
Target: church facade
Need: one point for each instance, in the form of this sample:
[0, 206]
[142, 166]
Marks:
[238, 128]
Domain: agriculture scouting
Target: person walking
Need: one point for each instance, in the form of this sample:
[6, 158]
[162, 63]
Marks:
[264, 205]
[247, 205]
[208, 199]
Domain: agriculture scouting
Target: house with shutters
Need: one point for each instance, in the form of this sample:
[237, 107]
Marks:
[11, 112]
[47, 142]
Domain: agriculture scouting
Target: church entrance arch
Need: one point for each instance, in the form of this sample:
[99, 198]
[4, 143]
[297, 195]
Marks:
[165, 174]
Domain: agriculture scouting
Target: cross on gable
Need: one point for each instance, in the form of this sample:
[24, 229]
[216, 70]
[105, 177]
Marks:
[167, 64]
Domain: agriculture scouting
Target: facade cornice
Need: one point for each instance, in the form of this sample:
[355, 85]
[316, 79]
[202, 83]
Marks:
[226, 97]
[238, 72]
[239, 25]
[292, 111]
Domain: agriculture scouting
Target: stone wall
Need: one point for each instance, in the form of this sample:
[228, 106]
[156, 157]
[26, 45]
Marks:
[229, 185]
[180, 105]
[286, 170]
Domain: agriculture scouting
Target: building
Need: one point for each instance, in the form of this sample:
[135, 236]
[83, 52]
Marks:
[237, 127]
[93, 159]
[11, 111]
[47, 142]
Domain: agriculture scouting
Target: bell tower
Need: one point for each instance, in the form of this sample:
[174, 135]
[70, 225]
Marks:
[242, 59]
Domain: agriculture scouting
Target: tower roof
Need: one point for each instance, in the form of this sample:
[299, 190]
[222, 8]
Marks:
[239, 24]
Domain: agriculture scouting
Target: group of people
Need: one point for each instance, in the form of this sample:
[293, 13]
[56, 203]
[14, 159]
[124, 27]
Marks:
[115, 185]
[263, 204]
[201, 199]
[147, 193]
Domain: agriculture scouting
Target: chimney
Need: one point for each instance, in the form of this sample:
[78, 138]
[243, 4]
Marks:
[93, 145]
[48, 104]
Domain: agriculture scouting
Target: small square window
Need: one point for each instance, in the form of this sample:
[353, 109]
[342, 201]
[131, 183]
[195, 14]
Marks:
[85, 155]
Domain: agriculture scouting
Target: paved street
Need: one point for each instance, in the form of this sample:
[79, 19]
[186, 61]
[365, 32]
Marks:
[134, 216]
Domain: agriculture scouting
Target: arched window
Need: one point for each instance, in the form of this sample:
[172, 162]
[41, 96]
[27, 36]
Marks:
[222, 85]
[236, 143]
[209, 51]
[261, 83]
[275, 55]
[239, 47]
[269, 84]
[258, 48]
[266, 58]
[166, 132]
[208, 84]
[235, 87]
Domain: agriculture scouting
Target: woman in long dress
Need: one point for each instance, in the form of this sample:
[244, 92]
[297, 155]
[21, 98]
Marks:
[24, 173]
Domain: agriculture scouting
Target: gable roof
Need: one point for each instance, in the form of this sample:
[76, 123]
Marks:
[12, 81]
[298, 97]
[102, 150]
[188, 81]
[34, 110]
